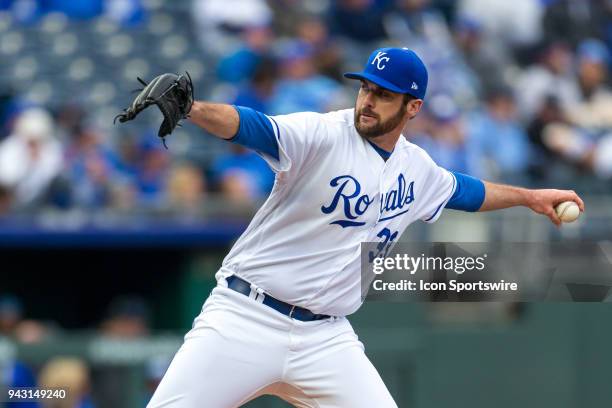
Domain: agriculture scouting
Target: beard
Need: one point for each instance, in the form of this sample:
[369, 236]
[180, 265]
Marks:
[380, 128]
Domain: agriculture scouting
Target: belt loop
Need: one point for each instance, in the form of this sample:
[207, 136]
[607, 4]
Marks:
[257, 293]
[260, 295]
[253, 294]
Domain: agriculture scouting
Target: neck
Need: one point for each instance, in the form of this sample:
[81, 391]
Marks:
[386, 142]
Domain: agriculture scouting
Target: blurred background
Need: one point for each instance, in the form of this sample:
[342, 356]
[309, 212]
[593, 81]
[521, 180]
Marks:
[109, 242]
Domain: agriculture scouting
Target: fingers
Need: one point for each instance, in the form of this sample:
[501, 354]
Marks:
[570, 195]
[549, 211]
[552, 214]
[578, 201]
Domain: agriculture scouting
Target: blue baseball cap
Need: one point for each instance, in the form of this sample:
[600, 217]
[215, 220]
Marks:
[593, 50]
[396, 69]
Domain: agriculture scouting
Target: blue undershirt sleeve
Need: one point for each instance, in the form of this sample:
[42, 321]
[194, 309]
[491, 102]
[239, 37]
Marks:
[255, 132]
[469, 193]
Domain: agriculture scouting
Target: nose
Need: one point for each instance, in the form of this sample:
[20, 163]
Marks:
[368, 100]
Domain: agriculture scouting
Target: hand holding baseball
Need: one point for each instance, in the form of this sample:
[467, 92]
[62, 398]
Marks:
[558, 205]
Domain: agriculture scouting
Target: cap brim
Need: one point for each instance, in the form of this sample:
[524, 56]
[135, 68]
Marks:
[377, 80]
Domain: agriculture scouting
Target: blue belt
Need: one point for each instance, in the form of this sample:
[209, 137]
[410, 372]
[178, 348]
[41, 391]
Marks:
[241, 286]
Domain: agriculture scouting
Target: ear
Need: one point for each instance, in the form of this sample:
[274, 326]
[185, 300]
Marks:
[413, 107]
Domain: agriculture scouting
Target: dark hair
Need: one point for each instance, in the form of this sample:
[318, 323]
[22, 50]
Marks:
[408, 98]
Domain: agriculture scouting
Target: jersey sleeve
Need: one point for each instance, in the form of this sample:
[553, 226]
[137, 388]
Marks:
[301, 138]
[469, 193]
[439, 189]
[255, 131]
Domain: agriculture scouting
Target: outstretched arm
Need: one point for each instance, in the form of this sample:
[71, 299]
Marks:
[498, 196]
[241, 125]
[217, 119]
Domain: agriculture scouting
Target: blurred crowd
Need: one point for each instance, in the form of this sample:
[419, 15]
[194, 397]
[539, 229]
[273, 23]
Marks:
[127, 318]
[518, 92]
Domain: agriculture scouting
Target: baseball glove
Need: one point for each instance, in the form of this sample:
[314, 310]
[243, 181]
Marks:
[173, 95]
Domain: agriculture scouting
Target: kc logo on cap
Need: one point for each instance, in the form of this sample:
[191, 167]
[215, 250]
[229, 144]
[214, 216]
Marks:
[399, 70]
[379, 59]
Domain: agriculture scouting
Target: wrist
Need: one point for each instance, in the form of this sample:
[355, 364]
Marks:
[526, 197]
[197, 110]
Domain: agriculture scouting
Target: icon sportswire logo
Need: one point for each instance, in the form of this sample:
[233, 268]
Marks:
[379, 60]
[354, 204]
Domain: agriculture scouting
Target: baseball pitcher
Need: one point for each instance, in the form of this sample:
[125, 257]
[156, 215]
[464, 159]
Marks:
[276, 321]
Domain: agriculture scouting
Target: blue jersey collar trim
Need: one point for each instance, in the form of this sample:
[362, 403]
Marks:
[382, 152]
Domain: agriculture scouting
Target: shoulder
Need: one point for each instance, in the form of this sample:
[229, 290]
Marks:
[414, 152]
[322, 125]
[302, 120]
[340, 126]
[298, 124]
[344, 116]
[341, 117]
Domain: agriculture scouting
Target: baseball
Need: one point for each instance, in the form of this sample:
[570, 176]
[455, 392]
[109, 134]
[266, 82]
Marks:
[568, 211]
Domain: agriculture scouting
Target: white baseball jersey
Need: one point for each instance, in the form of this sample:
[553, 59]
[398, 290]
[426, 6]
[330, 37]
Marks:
[333, 191]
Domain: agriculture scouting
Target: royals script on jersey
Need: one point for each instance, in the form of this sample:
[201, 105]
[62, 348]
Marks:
[332, 191]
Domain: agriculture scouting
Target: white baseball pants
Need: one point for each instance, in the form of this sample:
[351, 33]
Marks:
[239, 349]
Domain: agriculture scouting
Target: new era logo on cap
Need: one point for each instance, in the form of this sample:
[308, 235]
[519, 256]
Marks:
[396, 69]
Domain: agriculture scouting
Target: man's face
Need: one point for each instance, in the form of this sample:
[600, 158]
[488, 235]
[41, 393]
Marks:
[592, 74]
[378, 111]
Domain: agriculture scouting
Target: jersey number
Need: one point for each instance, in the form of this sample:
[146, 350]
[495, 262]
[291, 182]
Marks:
[384, 245]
